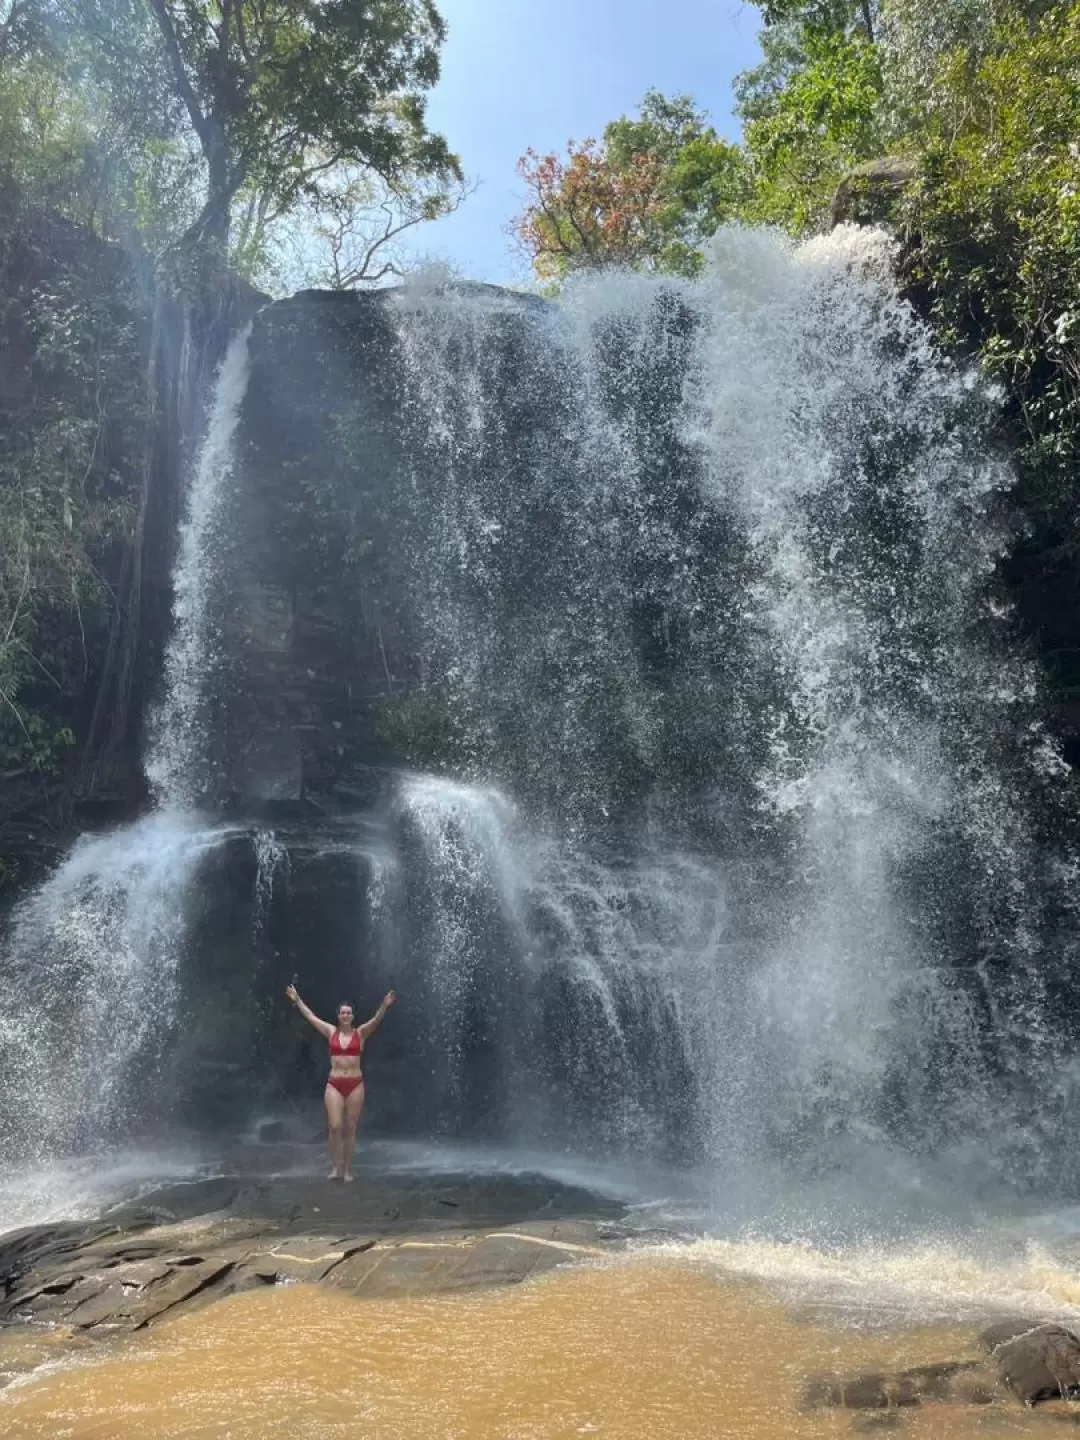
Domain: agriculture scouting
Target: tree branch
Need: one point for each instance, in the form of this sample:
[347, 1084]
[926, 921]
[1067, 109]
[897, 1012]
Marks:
[199, 119]
[9, 28]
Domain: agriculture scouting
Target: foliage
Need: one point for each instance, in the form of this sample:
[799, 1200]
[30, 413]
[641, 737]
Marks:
[279, 93]
[647, 196]
[997, 220]
[71, 437]
[90, 136]
[802, 136]
[917, 39]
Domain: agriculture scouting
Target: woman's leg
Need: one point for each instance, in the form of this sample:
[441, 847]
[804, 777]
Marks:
[335, 1123]
[354, 1105]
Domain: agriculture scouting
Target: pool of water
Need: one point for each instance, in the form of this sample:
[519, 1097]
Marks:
[649, 1347]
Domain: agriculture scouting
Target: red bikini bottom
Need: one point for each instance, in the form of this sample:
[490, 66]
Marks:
[345, 1084]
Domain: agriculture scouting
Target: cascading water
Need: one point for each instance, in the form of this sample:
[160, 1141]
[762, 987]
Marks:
[905, 753]
[93, 954]
[704, 570]
[546, 976]
[92, 963]
[179, 763]
[723, 838]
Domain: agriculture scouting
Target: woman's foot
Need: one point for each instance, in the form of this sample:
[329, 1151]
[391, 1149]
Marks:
[347, 1177]
[333, 1175]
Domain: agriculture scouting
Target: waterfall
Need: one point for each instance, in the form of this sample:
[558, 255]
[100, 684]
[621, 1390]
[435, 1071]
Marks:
[271, 858]
[544, 978]
[627, 684]
[179, 764]
[906, 745]
[704, 573]
[90, 979]
[93, 955]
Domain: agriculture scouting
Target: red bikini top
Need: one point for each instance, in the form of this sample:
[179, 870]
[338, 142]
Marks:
[353, 1047]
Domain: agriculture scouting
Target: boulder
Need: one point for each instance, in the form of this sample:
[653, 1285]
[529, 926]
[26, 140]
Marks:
[1039, 1362]
[867, 195]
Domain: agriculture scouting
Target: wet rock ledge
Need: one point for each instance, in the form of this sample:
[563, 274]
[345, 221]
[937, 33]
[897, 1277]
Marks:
[193, 1244]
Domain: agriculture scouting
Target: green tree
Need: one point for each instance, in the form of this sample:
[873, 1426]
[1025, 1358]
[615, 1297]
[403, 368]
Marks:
[811, 110]
[87, 136]
[917, 40]
[995, 224]
[280, 93]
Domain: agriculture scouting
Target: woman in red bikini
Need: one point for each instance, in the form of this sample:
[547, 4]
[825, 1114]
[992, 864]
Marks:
[344, 1093]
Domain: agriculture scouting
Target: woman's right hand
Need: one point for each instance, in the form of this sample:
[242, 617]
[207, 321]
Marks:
[290, 994]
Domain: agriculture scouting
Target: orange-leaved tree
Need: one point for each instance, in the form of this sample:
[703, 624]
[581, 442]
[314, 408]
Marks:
[645, 197]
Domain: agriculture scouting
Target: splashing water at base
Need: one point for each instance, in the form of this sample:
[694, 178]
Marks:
[92, 963]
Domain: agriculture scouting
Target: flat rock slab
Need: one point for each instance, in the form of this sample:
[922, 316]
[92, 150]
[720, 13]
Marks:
[384, 1235]
[376, 1201]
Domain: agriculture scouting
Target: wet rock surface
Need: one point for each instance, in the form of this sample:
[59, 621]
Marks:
[191, 1244]
[967, 1382]
[67, 1286]
[1036, 1362]
[1026, 1360]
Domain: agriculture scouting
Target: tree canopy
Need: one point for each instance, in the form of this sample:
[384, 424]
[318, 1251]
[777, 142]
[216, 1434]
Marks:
[220, 121]
[281, 92]
[645, 196]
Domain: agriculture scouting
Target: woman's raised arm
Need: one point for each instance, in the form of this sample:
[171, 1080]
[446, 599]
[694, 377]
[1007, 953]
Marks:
[370, 1026]
[309, 1015]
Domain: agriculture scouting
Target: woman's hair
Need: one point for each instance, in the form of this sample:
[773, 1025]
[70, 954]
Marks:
[345, 1005]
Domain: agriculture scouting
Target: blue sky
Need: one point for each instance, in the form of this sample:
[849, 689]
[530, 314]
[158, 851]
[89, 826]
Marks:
[538, 72]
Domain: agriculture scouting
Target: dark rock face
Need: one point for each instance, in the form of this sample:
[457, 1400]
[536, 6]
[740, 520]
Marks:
[299, 668]
[867, 195]
[314, 631]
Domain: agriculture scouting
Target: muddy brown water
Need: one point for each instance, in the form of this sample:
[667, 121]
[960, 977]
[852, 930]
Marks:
[644, 1348]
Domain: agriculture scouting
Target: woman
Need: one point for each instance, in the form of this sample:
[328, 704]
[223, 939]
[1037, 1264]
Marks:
[344, 1093]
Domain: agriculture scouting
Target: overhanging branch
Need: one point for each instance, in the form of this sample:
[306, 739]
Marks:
[199, 120]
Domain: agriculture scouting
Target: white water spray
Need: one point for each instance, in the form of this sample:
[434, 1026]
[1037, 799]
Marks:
[92, 964]
[178, 765]
[712, 558]
[94, 952]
